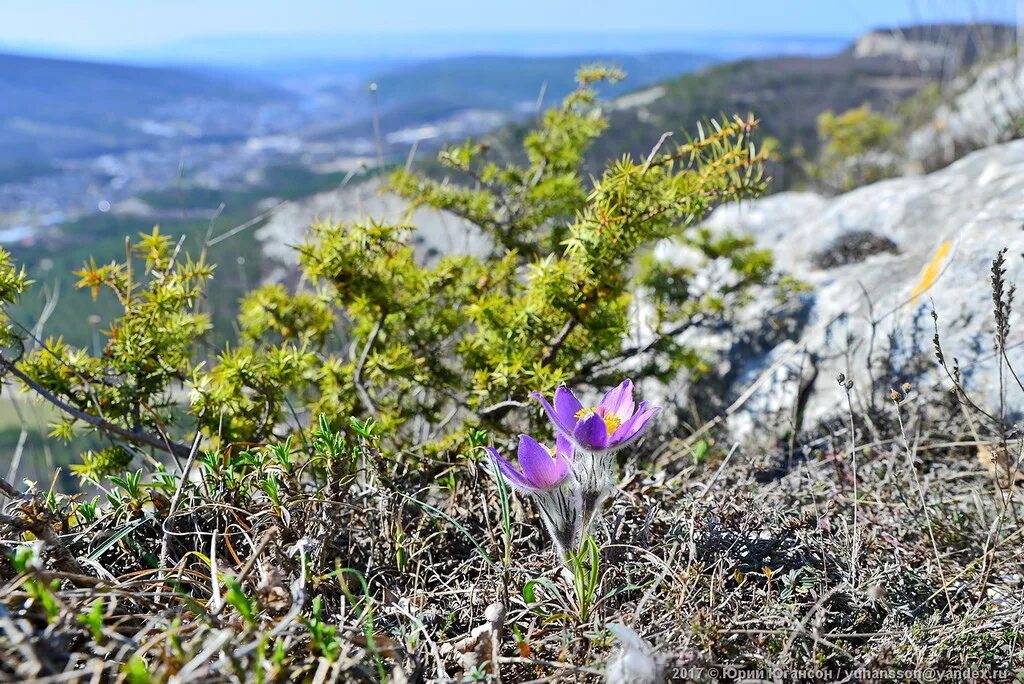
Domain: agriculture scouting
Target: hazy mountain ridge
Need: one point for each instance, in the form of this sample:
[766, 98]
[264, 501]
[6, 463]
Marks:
[499, 79]
[58, 107]
[431, 96]
[281, 54]
[77, 135]
[787, 93]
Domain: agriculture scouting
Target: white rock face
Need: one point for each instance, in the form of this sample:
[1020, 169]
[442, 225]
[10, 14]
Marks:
[987, 109]
[896, 44]
[966, 212]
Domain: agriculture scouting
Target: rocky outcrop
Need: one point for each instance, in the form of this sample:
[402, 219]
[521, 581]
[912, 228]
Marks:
[986, 107]
[955, 46]
[940, 233]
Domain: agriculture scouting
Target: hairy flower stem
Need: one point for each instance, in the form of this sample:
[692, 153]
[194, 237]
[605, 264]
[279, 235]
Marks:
[596, 476]
[854, 543]
[560, 509]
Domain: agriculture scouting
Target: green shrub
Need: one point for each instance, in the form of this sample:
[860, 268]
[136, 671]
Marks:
[853, 132]
[427, 351]
[853, 148]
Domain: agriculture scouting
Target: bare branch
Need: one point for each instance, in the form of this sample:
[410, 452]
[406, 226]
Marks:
[501, 407]
[557, 343]
[136, 437]
[357, 377]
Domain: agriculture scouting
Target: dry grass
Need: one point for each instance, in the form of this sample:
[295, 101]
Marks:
[888, 538]
[755, 569]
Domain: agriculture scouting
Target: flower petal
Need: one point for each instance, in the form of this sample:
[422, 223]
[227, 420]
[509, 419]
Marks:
[540, 468]
[634, 428]
[567, 405]
[591, 434]
[511, 474]
[619, 400]
[564, 447]
[564, 427]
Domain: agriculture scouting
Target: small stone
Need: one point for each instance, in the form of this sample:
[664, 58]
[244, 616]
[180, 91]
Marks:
[635, 662]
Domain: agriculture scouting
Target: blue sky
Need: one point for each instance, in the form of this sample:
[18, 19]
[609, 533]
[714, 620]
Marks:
[114, 26]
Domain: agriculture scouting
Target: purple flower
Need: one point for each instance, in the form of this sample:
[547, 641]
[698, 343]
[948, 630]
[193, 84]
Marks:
[614, 423]
[597, 432]
[542, 468]
[546, 476]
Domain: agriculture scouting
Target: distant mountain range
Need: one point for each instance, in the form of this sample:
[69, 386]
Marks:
[417, 98]
[501, 80]
[787, 94]
[58, 107]
[237, 86]
[257, 102]
[77, 136]
[367, 52]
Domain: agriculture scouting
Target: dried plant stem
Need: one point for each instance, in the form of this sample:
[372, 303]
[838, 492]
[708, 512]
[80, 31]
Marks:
[855, 541]
[357, 378]
[924, 504]
[169, 521]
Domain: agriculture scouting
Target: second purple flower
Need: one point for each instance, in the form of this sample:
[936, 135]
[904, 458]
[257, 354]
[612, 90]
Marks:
[546, 475]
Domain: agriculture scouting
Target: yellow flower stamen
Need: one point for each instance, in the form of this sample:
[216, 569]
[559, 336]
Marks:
[611, 421]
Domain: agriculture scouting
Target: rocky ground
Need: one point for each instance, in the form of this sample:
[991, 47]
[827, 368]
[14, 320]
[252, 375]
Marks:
[894, 546]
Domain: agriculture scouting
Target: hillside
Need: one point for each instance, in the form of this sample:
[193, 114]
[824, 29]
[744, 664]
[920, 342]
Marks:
[60, 107]
[490, 88]
[787, 94]
[331, 500]
[504, 80]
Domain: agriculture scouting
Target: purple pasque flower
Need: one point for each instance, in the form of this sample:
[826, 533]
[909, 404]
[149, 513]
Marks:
[545, 475]
[597, 432]
[614, 423]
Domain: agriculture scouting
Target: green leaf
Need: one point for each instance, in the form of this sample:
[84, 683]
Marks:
[530, 589]
[700, 450]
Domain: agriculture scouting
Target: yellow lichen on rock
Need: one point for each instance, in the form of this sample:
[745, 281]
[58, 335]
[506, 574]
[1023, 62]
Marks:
[932, 271]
